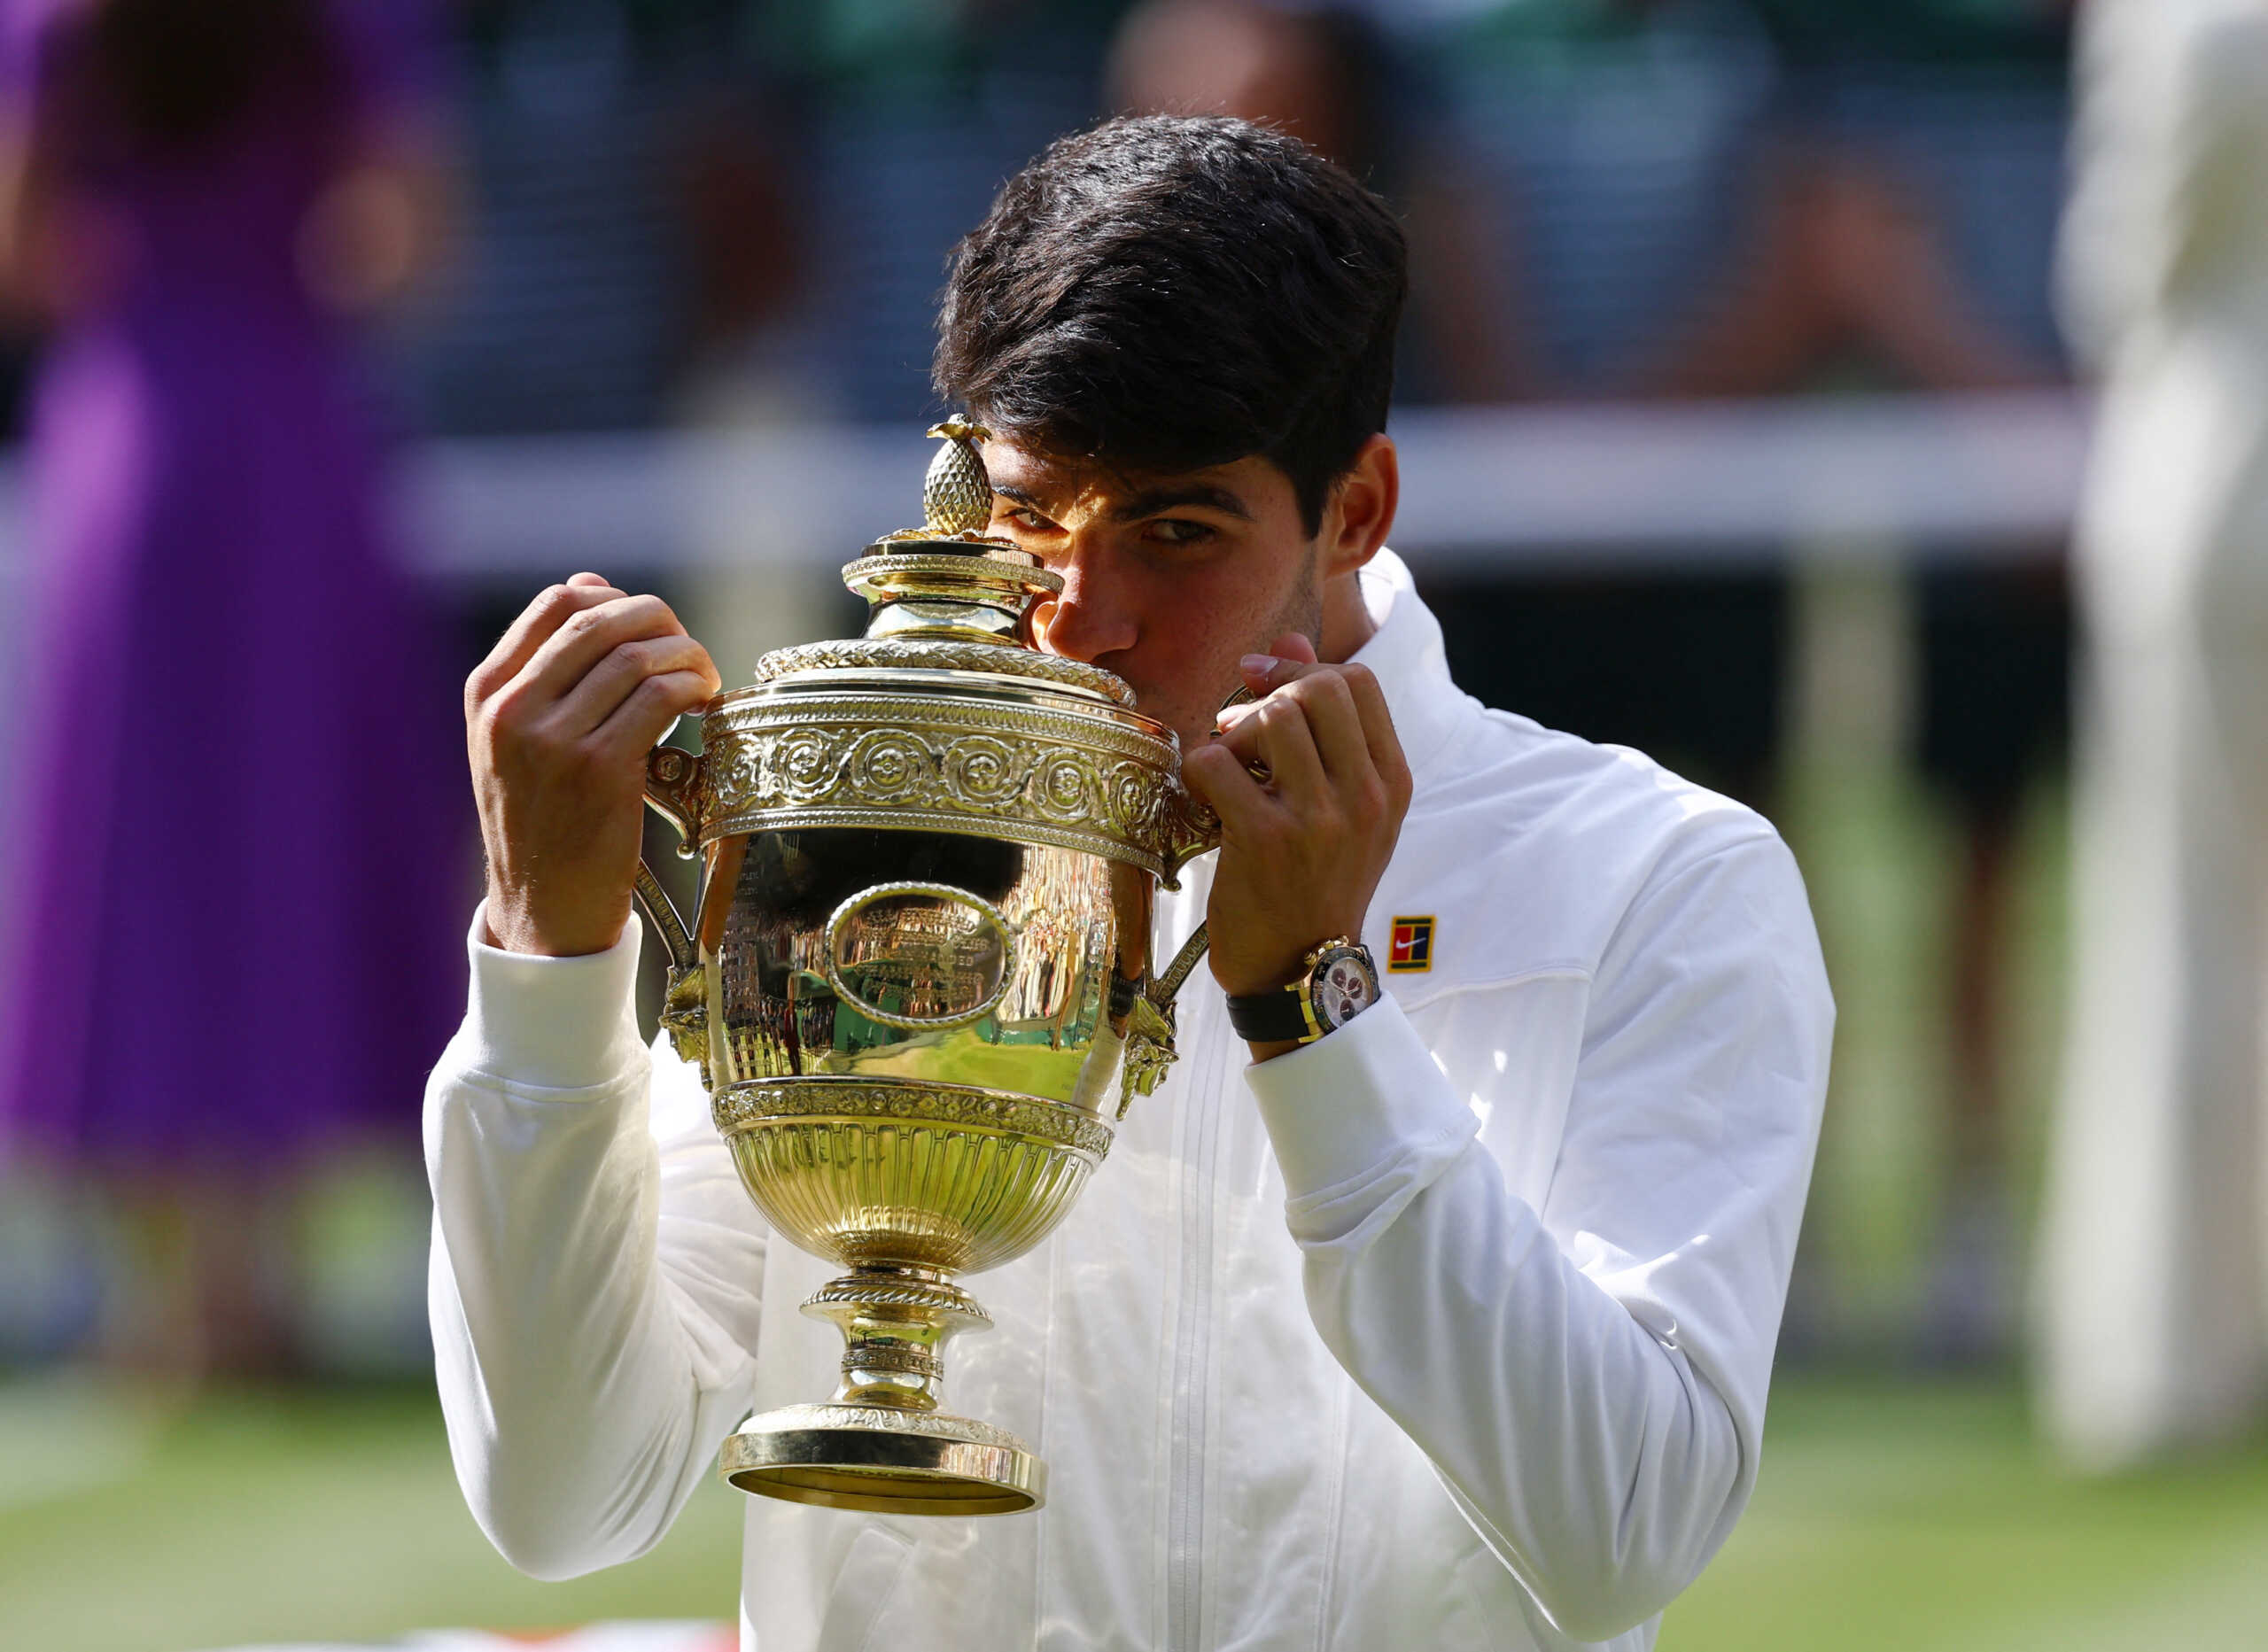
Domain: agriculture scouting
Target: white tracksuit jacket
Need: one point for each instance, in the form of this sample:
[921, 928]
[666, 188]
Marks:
[1450, 1330]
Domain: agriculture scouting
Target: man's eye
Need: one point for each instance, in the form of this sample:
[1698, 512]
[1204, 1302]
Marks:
[1030, 521]
[1172, 530]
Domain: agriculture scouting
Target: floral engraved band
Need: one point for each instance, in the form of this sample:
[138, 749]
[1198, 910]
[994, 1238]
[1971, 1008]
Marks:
[1040, 774]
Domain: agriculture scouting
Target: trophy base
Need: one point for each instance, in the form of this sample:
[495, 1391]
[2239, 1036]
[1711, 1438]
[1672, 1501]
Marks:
[883, 1460]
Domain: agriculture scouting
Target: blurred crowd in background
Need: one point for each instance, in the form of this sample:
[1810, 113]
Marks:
[519, 218]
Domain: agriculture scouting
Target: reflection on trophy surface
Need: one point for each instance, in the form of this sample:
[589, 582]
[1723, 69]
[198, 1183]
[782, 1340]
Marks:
[918, 983]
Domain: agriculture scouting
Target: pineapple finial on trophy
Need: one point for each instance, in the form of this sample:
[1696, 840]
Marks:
[956, 495]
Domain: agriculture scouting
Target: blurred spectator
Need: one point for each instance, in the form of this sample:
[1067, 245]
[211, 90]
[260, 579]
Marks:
[918, 110]
[1333, 77]
[746, 227]
[232, 947]
[1316, 74]
[1702, 199]
[1904, 237]
[2152, 1242]
[594, 165]
[1602, 141]
[1904, 207]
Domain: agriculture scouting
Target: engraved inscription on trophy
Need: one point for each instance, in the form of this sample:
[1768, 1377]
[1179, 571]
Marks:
[920, 955]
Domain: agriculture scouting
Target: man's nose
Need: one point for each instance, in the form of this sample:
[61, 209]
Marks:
[1092, 618]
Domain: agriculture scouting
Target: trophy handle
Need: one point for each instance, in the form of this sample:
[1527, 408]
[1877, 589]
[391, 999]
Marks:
[673, 792]
[661, 913]
[1192, 829]
[1162, 989]
[1150, 1023]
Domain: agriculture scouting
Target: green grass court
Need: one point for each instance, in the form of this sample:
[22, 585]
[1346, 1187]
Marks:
[1889, 1517]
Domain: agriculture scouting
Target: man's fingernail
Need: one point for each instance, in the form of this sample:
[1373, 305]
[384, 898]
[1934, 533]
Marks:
[1258, 664]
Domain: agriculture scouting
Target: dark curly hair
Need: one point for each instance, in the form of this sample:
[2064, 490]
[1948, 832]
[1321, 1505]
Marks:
[1163, 294]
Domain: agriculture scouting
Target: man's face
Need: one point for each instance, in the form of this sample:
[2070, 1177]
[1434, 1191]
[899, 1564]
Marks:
[1168, 580]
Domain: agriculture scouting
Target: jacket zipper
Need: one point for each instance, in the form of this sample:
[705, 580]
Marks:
[1191, 1359]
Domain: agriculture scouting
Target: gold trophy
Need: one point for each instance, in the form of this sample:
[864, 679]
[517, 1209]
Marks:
[918, 982]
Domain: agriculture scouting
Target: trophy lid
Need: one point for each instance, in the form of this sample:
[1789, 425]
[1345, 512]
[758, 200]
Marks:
[944, 714]
[947, 596]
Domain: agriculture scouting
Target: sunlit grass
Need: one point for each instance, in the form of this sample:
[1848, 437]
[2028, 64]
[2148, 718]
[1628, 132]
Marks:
[1926, 1517]
[1889, 1517]
[322, 1515]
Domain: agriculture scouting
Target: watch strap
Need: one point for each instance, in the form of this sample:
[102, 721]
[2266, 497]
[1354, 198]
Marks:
[1274, 1017]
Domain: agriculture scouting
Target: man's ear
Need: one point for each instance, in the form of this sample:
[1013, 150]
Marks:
[1359, 513]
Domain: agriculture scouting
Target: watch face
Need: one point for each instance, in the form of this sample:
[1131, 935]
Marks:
[1343, 989]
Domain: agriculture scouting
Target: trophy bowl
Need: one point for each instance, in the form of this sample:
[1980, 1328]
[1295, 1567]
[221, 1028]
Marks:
[918, 983]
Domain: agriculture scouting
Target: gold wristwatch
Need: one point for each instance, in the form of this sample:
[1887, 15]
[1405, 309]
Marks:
[1336, 983]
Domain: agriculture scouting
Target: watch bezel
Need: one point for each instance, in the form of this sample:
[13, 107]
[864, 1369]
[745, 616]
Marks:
[1319, 961]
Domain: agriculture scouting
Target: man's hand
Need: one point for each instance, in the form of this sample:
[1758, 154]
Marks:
[1302, 853]
[558, 721]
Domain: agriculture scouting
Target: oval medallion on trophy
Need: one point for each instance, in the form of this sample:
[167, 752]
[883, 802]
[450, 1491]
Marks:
[919, 956]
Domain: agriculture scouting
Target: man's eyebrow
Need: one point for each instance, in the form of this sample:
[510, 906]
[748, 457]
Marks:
[1171, 496]
[1174, 495]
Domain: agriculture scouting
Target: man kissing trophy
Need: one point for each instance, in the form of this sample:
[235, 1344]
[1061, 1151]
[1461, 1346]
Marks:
[1431, 1298]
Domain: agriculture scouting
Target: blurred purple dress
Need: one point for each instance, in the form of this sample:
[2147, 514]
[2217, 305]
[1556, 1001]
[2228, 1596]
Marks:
[241, 825]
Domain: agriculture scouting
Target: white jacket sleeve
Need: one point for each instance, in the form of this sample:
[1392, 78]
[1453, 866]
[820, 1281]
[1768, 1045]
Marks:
[1589, 1380]
[595, 1270]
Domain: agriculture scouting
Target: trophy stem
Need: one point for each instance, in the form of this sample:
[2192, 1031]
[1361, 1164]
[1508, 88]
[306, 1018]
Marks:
[895, 1319]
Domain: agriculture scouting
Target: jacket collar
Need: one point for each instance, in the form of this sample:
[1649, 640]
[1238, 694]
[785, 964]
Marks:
[1406, 656]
